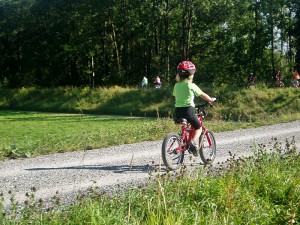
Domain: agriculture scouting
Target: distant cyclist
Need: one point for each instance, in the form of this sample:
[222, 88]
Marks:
[157, 82]
[251, 80]
[184, 92]
[279, 79]
[296, 78]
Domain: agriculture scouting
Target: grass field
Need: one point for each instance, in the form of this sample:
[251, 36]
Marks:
[264, 189]
[32, 133]
[28, 134]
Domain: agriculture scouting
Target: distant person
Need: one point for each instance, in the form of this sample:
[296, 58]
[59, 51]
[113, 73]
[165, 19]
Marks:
[278, 75]
[157, 82]
[144, 82]
[185, 91]
[296, 78]
[251, 79]
[275, 76]
[279, 79]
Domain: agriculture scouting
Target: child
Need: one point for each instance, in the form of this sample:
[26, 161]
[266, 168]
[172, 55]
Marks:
[184, 92]
[144, 82]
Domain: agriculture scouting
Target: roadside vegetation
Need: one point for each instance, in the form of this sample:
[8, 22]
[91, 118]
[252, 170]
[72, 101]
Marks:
[263, 189]
[37, 121]
[234, 104]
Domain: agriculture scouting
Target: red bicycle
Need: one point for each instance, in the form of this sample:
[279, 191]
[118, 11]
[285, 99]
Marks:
[176, 145]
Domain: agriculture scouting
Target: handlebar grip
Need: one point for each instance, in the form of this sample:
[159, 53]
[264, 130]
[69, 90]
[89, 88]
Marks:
[206, 103]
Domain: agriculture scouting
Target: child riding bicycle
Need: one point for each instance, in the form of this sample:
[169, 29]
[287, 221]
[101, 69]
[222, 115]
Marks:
[184, 92]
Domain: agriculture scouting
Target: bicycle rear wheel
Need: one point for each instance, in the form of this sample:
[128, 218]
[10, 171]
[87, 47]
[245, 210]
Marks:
[207, 148]
[171, 158]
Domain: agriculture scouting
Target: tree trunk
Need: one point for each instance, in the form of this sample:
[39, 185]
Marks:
[272, 43]
[115, 43]
[167, 42]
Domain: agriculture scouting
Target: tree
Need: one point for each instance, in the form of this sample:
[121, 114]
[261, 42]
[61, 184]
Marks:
[116, 42]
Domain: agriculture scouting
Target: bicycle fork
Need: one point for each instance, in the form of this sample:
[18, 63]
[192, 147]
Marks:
[182, 145]
[203, 134]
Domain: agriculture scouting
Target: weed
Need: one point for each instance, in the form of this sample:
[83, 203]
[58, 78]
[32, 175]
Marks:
[261, 189]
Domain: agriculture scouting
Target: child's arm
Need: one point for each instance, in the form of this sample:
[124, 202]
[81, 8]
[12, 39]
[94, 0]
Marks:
[207, 98]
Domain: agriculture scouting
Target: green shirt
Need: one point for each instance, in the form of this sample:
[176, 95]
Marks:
[184, 93]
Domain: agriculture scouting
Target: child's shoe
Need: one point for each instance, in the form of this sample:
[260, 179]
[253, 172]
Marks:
[193, 148]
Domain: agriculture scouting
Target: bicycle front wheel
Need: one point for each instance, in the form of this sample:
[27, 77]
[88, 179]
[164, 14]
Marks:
[207, 147]
[171, 158]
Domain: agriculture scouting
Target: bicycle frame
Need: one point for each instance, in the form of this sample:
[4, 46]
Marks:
[175, 144]
[187, 133]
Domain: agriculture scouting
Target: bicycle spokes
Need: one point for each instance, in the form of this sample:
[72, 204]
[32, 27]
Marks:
[171, 151]
[207, 147]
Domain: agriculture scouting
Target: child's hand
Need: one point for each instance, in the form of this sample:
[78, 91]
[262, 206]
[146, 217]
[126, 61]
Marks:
[213, 100]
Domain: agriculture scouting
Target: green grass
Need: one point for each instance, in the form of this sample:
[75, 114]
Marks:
[113, 101]
[263, 189]
[255, 104]
[28, 134]
[234, 104]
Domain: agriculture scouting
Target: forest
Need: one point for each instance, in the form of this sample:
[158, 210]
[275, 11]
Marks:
[51, 43]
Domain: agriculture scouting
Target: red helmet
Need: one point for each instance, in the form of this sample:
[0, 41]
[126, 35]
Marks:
[186, 68]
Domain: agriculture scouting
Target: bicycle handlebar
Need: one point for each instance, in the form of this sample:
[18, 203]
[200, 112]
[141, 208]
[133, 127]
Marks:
[201, 111]
[205, 104]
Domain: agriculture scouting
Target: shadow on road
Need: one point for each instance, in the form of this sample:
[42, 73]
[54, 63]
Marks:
[115, 169]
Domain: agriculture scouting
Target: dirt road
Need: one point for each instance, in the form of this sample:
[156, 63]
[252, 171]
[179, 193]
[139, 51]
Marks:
[119, 166]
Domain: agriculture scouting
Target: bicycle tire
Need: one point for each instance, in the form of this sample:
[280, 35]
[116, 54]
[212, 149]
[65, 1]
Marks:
[207, 153]
[171, 159]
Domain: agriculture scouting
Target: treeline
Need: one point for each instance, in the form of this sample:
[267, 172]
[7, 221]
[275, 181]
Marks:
[51, 43]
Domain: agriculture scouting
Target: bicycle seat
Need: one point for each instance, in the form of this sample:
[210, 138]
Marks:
[180, 121]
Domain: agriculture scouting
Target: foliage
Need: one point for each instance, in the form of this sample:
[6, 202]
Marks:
[87, 43]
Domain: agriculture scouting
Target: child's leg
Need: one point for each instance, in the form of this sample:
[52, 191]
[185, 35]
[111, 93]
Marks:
[197, 135]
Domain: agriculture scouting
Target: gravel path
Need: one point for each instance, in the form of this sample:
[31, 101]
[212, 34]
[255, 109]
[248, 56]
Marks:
[119, 166]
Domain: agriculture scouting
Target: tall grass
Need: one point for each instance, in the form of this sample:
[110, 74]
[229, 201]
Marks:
[263, 189]
[114, 100]
[234, 104]
[258, 104]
